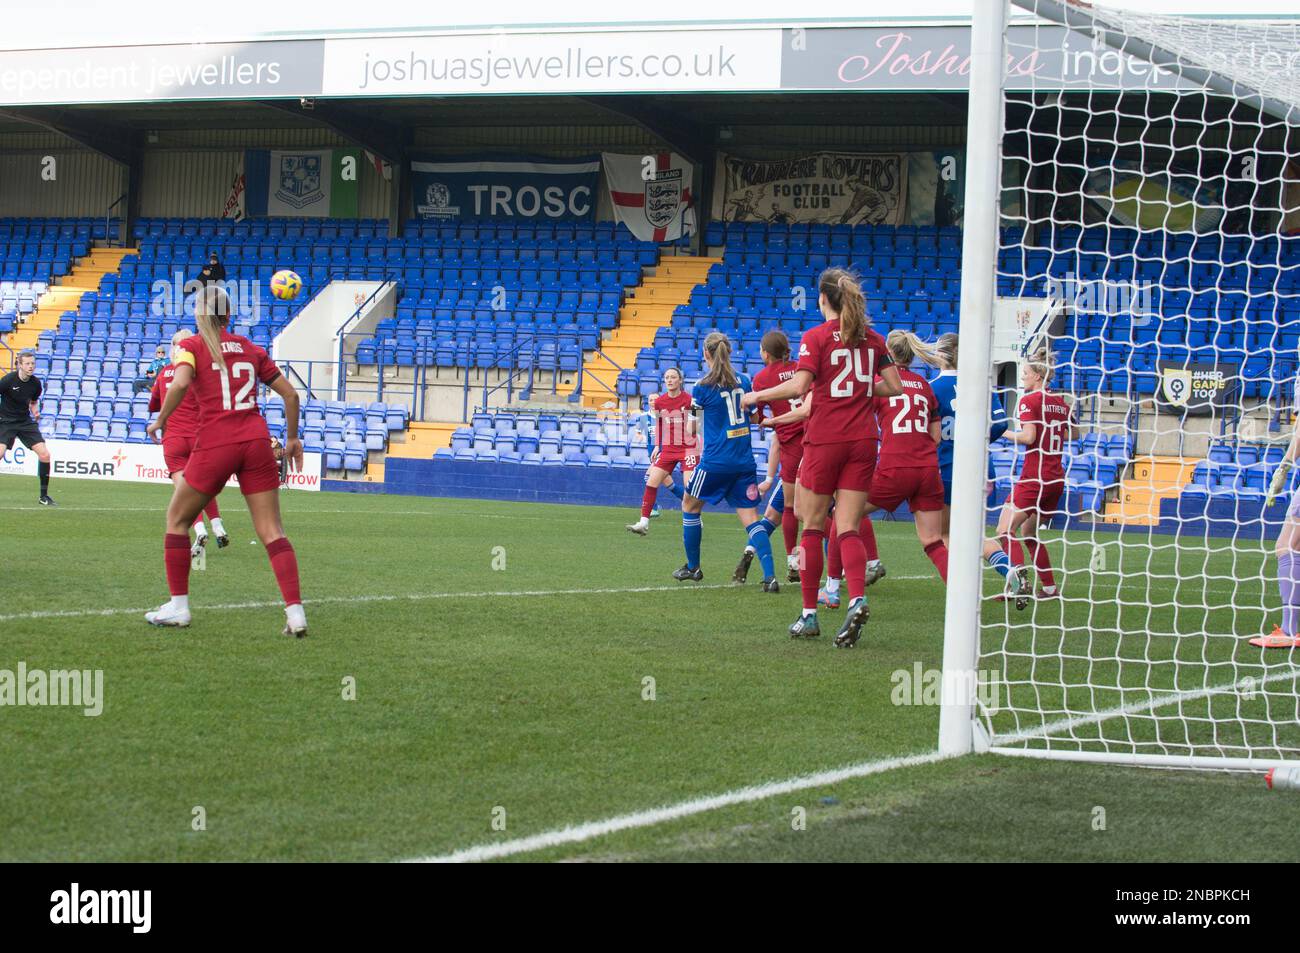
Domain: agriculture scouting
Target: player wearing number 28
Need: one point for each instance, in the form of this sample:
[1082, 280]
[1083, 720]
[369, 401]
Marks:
[224, 370]
[844, 363]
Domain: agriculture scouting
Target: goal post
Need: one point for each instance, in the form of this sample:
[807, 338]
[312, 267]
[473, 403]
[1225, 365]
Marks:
[1133, 195]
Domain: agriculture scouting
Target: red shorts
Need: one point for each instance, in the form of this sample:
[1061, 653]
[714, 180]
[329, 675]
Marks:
[666, 458]
[1038, 497]
[920, 487]
[252, 461]
[791, 456]
[176, 453]
[827, 467]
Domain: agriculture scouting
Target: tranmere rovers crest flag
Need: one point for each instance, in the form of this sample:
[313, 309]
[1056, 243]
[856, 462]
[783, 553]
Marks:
[317, 183]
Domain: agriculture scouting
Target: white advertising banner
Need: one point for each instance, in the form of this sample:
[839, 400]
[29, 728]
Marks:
[124, 462]
[533, 63]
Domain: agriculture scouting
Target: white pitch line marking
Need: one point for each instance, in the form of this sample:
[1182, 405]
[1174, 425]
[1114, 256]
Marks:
[622, 822]
[348, 600]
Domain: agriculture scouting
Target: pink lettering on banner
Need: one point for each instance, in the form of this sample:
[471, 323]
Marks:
[896, 59]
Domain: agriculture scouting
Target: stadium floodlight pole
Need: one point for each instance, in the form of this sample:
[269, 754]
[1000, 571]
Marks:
[970, 447]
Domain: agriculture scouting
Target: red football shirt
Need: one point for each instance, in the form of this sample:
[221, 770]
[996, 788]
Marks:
[789, 434]
[905, 424]
[228, 403]
[842, 382]
[1050, 415]
[184, 421]
[671, 417]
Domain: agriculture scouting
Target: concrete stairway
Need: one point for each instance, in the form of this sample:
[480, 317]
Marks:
[1153, 479]
[649, 308]
[64, 296]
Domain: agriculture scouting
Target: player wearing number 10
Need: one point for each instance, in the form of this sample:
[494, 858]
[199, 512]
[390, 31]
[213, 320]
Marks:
[726, 469]
[839, 361]
[233, 440]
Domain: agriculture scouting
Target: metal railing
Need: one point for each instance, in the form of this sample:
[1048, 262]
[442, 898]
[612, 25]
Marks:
[515, 371]
[108, 215]
[583, 373]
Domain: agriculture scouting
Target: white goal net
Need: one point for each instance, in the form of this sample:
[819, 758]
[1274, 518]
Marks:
[1150, 211]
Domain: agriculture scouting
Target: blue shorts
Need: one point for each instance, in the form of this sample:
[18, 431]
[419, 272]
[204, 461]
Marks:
[740, 490]
[777, 500]
[945, 474]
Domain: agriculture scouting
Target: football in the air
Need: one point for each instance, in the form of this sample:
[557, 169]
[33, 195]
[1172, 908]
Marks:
[286, 284]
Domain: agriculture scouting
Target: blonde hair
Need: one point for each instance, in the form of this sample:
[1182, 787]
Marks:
[844, 295]
[177, 338]
[905, 347]
[946, 350]
[1041, 364]
[211, 315]
[718, 348]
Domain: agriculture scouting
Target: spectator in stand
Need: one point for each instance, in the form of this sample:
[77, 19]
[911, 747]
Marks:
[145, 382]
[213, 272]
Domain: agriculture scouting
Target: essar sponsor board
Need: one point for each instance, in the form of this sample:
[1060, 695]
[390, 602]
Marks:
[124, 462]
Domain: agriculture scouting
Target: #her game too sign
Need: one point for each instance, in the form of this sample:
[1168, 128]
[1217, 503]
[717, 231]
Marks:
[125, 462]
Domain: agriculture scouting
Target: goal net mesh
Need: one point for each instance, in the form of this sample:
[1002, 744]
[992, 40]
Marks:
[1150, 231]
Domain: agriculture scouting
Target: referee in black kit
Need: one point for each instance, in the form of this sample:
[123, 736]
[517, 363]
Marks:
[19, 392]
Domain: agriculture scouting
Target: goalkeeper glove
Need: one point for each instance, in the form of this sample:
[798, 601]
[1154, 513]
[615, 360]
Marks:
[1279, 480]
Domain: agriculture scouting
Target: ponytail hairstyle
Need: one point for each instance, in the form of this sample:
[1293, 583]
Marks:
[1041, 364]
[776, 345]
[946, 349]
[211, 315]
[905, 347]
[717, 346]
[844, 295]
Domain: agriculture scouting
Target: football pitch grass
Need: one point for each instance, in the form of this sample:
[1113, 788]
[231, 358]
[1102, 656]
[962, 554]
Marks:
[532, 668]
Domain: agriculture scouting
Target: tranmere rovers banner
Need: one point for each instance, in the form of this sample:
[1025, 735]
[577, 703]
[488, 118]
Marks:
[826, 188]
[1196, 390]
[125, 462]
[316, 183]
[651, 194]
[536, 190]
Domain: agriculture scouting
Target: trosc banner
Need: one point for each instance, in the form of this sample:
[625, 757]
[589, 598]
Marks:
[535, 191]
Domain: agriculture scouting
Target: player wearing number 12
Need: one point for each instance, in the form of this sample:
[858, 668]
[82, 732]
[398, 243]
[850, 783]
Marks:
[1046, 423]
[839, 361]
[224, 370]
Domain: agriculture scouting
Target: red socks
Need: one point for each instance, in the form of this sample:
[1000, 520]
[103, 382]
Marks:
[284, 563]
[212, 511]
[648, 501]
[810, 570]
[868, 534]
[938, 554]
[176, 557]
[854, 556]
[834, 564]
[790, 528]
[1043, 563]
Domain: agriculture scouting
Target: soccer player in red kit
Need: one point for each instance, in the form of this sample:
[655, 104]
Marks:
[178, 441]
[839, 361]
[675, 443]
[233, 440]
[1046, 424]
[788, 425]
[908, 467]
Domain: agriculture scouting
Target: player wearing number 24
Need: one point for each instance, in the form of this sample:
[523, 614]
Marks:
[233, 440]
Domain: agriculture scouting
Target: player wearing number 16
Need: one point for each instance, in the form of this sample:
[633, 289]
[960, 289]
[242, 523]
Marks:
[224, 370]
[839, 361]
